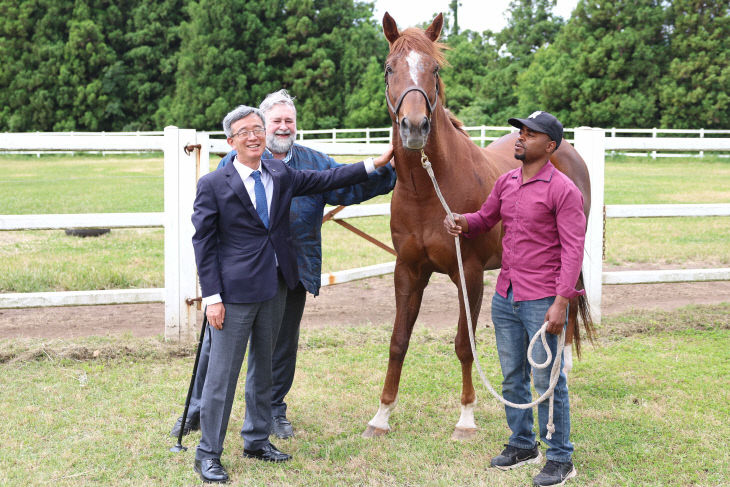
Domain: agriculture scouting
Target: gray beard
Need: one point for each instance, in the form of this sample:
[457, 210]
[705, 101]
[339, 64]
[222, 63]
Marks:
[279, 146]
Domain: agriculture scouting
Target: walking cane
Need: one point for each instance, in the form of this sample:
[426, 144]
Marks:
[179, 447]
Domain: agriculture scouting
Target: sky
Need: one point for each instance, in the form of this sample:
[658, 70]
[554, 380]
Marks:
[476, 15]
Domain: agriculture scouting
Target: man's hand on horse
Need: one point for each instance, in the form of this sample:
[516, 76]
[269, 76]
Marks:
[383, 159]
[458, 226]
[555, 315]
[216, 313]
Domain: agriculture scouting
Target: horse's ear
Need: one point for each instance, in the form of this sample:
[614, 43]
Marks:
[390, 29]
[434, 30]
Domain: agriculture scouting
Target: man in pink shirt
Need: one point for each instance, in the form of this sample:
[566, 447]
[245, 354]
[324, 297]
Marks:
[541, 211]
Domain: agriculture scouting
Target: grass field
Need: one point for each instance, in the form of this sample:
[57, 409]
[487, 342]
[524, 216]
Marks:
[649, 408]
[128, 258]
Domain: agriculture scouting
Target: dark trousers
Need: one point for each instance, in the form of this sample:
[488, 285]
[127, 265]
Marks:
[260, 322]
[285, 354]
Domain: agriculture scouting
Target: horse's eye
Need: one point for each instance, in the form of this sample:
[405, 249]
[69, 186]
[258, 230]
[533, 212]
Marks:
[388, 69]
[436, 70]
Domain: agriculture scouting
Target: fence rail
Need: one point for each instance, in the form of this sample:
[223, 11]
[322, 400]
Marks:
[182, 167]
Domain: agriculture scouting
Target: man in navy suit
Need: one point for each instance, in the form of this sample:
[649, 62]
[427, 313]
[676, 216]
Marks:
[245, 263]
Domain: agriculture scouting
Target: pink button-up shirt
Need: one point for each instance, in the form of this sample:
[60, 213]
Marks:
[544, 231]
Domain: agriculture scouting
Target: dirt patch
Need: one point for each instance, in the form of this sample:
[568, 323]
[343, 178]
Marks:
[359, 303]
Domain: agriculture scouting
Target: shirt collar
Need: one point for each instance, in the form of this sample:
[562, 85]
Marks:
[243, 169]
[269, 155]
[544, 174]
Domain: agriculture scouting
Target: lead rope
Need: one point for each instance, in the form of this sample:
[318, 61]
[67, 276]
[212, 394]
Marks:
[554, 373]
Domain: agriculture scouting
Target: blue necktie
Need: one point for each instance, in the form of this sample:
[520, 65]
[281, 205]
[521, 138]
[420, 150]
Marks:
[261, 206]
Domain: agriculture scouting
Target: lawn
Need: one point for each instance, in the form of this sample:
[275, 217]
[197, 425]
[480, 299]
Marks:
[649, 407]
[133, 258]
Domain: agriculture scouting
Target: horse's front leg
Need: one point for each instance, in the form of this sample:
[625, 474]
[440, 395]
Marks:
[474, 276]
[409, 285]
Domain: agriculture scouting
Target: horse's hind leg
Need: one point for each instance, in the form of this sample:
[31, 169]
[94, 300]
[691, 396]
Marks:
[474, 276]
[409, 286]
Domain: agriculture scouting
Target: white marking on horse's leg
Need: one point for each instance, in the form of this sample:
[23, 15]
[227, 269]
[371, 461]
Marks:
[380, 420]
[567, 360]
[466, 420]
[414, 61]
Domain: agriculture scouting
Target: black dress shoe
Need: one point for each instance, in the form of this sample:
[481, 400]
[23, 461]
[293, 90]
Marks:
[281, 427]
[191, 424]
[211, 471]
[269, 453]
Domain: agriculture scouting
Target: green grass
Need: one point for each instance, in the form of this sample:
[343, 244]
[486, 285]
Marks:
[634, 181]
[50, 260]
[649, 406]
[81, 184]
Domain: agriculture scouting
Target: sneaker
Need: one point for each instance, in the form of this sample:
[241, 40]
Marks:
[512, 457]
[554, 473]
[192, 424]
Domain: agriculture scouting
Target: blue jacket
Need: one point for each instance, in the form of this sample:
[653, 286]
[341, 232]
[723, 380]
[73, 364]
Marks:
[306, 212]
[235, 252]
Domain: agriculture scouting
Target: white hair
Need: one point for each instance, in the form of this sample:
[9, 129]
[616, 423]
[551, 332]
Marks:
[280, 97]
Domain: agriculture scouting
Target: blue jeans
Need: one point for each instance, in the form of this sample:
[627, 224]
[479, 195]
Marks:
[515, 323]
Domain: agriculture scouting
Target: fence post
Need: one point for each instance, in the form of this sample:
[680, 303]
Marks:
[482, 135]
[653, 136]
[702, 136]
[180, 272]
[590, 143]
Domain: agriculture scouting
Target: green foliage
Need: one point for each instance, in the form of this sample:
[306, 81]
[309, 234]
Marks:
[366, 106]
[85, 65]
[236, 52]
[603, 68]
[470, 57]
[141, 65]
[695, 91]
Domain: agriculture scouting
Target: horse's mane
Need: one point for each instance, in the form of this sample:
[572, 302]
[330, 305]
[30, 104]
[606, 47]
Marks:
[458, 124]
[414, 39]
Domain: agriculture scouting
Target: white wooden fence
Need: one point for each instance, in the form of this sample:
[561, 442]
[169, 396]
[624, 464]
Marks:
[592, 144]
[181, 168]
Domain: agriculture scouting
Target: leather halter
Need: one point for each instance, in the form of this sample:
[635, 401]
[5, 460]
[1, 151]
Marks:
[431, 106]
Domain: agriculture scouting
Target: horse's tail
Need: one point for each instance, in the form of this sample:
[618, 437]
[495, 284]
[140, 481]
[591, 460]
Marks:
[578, 306]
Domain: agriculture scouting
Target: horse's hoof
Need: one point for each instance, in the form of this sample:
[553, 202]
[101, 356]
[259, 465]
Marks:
[463, 434]
[372, 432]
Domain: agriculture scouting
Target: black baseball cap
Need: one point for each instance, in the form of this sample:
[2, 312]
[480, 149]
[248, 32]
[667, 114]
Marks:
[542, 122]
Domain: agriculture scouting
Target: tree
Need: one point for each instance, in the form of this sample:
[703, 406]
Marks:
[470, 56]
[366, 106]
[150, 42]
[235, 51]
[603, 68]
[32, 39]
[531, 25]
[695, 91]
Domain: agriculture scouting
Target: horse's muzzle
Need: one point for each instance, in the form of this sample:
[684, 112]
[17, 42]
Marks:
[413, 135]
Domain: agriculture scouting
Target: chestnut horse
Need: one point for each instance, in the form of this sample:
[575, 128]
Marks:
[466, 175]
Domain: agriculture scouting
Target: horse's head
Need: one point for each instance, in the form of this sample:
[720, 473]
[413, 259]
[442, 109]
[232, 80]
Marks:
[412, 83]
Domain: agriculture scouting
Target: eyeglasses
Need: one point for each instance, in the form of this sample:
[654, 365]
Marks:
[245, 133]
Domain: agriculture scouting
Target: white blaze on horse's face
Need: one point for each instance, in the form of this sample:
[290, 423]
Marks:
[414, 65]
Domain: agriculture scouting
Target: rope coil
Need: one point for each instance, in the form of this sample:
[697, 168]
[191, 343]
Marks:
[554, 372]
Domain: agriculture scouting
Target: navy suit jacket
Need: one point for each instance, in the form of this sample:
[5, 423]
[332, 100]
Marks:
[234, 251]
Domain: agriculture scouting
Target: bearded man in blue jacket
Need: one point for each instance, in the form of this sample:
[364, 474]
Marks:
[305, 224]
